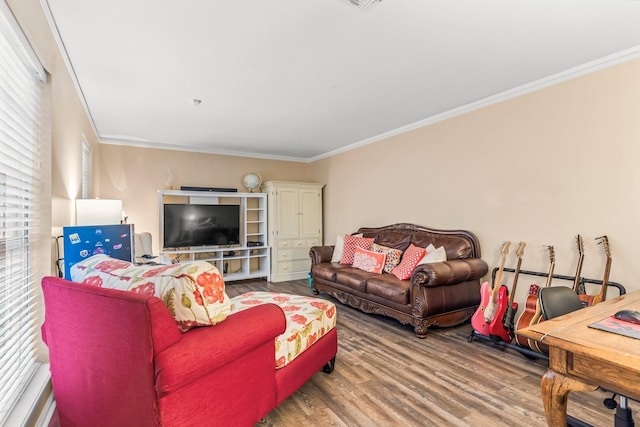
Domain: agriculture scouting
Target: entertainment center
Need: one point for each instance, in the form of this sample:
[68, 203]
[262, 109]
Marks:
[228, 229]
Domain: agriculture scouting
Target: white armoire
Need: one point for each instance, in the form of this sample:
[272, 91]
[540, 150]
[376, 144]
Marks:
[294, 225]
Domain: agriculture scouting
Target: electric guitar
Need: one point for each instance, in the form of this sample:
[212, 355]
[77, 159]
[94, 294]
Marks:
[531, 313]
[478, 321]
[501, 326]
[490, 310]
[602, 295]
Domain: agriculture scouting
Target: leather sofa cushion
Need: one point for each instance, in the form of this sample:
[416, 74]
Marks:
[388, 286]
[327, 270]
[353, 278]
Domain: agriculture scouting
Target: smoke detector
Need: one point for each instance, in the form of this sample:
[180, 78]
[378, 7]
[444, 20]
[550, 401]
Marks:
[361, 4]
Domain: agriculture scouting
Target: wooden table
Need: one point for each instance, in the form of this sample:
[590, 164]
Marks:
[583, 358]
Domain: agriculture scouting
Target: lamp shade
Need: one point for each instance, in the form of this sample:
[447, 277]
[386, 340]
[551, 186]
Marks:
[98, 211]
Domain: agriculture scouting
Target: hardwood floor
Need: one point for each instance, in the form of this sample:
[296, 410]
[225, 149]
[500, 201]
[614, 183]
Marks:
[385, 376]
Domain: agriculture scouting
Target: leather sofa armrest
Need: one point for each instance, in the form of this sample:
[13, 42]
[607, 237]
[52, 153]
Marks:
[320, 254]
[204, 350]
[449, 272]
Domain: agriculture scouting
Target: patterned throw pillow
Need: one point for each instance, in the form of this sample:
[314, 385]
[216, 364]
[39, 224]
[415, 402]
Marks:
[392, 256]
[370, 261]
[350, 244]
[338, 249]
[410, 259]
[194, 292]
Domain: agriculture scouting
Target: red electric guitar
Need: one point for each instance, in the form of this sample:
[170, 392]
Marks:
[531, 313]
[478, 321]
[602, 295]
[501, 326]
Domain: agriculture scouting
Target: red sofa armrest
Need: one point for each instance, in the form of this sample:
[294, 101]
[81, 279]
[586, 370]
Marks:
[205, 349]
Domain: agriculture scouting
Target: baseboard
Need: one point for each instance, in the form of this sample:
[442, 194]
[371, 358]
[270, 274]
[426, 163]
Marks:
[288, 276]
[47, 411]
[34, 402]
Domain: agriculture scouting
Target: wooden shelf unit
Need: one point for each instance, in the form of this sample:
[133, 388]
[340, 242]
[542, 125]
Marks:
[239, 261]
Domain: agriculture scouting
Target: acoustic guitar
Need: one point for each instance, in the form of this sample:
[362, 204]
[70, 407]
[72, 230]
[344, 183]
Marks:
[602, 295]
[532, 311]
[478, 321]
[501, 326]
[577, 288]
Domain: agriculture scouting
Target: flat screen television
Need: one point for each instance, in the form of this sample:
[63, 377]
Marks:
[187, 225]
[83, 241]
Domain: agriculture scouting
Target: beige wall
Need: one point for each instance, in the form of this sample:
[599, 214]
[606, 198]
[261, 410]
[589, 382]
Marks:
[136, 174]
[540, 168]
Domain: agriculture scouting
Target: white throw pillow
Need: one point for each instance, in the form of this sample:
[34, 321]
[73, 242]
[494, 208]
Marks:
[434, 255]
[338, 250]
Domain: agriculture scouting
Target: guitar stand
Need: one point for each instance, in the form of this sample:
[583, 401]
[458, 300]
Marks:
[623, 417]
[523, 350]
[498, 343]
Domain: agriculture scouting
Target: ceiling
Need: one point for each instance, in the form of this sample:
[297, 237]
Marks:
[305, 79]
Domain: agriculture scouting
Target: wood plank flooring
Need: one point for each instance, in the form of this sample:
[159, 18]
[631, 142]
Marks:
[385, 376]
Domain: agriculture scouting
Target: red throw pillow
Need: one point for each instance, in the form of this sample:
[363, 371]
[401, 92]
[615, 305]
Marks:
[410, 259]
[350, 244]
[370, 261]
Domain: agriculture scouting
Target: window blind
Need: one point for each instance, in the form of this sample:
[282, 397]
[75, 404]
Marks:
[21, 205]
[86, 168]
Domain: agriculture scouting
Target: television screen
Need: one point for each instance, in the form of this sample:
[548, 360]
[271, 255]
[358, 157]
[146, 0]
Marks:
[201, 225]
[83, 241]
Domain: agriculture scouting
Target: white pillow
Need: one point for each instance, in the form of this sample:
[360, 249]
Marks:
[434, 255]
[338, 250]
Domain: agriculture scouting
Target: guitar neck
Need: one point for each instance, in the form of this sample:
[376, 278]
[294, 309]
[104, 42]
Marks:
[576, 281]
[603, 289]
[515, 281]
[498, 279]
[607, 269]
[552, 265]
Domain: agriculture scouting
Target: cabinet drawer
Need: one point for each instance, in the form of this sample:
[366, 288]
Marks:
[314, 242]
[293, 266]
[291, 244]
[293, 254]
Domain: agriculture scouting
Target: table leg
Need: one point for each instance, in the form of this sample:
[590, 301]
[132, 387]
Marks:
[555, 390]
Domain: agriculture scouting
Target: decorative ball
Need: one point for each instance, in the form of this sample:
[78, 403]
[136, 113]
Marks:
[252, 181]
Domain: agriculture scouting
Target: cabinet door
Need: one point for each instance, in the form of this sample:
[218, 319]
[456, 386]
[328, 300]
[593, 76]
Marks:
[310, 204]
[288, 214]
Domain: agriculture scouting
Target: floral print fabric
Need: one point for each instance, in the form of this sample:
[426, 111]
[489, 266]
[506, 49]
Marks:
[370, 261]
[194, 292]
[308, 320]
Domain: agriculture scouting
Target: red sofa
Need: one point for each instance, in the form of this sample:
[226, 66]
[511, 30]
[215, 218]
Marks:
[117, 358]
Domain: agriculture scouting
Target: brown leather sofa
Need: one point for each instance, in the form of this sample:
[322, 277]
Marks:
[442, 293]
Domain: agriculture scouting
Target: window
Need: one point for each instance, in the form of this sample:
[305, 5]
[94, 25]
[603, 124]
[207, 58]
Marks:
[23, 210]
[86, 168]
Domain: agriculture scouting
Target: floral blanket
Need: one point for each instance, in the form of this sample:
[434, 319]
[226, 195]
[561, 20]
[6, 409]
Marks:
[194, 292]
[308, 320]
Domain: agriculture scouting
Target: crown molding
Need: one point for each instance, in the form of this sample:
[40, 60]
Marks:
[570, 74]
